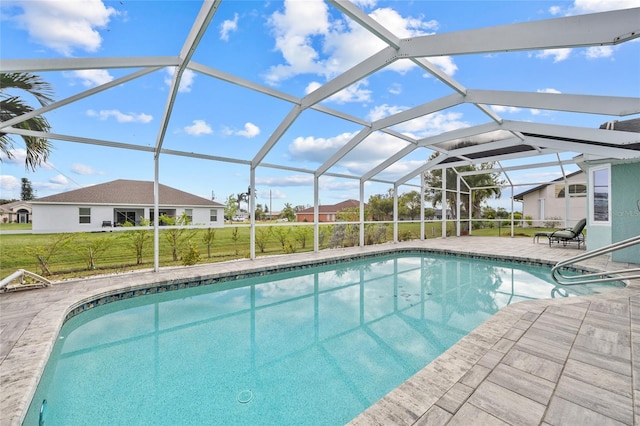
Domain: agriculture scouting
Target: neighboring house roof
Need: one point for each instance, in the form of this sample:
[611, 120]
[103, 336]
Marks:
[632, 125]
[522, 194]
[11, 207]
[333, 208]
[123, 191]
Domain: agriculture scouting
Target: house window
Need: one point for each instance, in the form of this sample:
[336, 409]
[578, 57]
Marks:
[84, 214]
[213, 215]
[189, 214]
[601, 200]
[575, 190]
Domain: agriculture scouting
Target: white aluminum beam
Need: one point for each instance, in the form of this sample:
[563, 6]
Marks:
[344, 150]
[419, 111]
[464, 132]
[524, 167]
[276, 135]
[583, 148]
[389, 161]
[589, 104]
[596, 29]
[77, 97]
[615, 137]
[74, 64]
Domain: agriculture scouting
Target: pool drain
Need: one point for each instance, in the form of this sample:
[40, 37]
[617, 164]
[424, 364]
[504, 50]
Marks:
[245, 396]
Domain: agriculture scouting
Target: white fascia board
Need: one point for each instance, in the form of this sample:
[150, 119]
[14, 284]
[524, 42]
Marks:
[363, 69]
[615, 137]
[589, 104]
[523, 167]
[584, 148]
[75, 64]
[596, 29]
[77, 97]
[362, 135]
[276, 135]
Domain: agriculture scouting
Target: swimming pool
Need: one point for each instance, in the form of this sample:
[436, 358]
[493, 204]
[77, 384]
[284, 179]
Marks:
[304, 347]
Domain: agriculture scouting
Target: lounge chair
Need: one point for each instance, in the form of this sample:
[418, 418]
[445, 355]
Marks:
[565, 235]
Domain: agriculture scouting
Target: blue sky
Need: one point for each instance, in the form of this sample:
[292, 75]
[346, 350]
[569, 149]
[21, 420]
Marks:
[293, 47]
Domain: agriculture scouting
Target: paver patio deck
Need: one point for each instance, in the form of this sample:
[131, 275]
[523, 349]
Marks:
[551, 362]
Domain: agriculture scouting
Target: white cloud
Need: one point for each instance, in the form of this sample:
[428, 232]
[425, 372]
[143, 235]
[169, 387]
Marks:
[309, 148]
[186, 81]
[10, 184]
[597, 52]
[65, 26]
[83, 169]
[548, 90]
[592, 6]
[18, 156]
[59, 180]
[353, 93]
[292, 180]
[558, 55]
[199, 127]
[505, 109]
[120, 117]
[250, 131]
[311, 42]
[91, 78]
[395, 89]
[228, 26]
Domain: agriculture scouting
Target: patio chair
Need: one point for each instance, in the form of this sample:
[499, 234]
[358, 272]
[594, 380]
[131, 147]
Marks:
[565, 235]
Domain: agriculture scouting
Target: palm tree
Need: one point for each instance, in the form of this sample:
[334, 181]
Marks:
[11, 106]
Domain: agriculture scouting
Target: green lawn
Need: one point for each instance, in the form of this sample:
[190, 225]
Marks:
[114, 252]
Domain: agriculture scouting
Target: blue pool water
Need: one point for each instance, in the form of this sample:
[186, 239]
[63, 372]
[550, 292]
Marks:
[313, 347]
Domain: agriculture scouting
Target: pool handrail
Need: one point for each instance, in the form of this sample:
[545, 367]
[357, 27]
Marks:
[605, 276]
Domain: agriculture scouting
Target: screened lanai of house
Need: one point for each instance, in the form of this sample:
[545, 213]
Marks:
[510, 144]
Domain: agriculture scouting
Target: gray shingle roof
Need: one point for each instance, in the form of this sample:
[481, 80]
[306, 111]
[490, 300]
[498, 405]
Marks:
[131, 192]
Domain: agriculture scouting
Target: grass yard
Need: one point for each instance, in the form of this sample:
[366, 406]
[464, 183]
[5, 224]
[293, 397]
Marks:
[84, 254]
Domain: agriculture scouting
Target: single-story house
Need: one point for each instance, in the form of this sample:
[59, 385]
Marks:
[15, 212]
[326, 213]
[101, 206]
[547, 202]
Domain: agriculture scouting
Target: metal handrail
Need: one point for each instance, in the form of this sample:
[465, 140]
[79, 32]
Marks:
[604, 276]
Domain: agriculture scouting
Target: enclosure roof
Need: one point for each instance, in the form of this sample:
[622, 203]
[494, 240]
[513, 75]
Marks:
[489, 138]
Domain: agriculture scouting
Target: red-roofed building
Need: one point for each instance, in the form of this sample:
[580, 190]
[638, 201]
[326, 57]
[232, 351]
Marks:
[326, 213]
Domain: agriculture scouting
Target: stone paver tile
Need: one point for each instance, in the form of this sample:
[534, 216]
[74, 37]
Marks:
[603, 347]
[491, 359]
[470, 415]
[606, 320]
[600, 377]
[522, 324]
[607, 403]
[545, 333]
[525, 384]
[575, 310]
[501, 402]
[562, 412]
[475, 376]
[532, 364]
[455, 397]
[435, 416]
[560, 322]
[553, 351]
[620, 336]
[609, 362]
[514, 334]
[616, 307]
[503, 345]
[530, 316]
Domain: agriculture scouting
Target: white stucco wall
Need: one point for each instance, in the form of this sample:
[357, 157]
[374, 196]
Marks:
[52, 218]
[553, 206]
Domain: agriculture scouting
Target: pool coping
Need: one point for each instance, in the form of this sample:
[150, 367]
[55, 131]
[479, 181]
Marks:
[21, 369]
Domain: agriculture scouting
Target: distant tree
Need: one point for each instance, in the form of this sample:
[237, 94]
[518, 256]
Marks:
[259, 213]
[380, 206]
[11, 106]
[230, 207]
[302, 235]
[235, 237]
[433, 180]
[288, 213]
[89, 249]
[26, 191]
[282, 235]
[262, 237]
[409, 205]
[348, 214]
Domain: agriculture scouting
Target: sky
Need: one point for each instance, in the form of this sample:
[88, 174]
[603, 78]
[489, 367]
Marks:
[292, 47]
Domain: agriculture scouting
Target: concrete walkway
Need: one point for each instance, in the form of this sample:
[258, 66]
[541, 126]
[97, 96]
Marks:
[568, 361]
